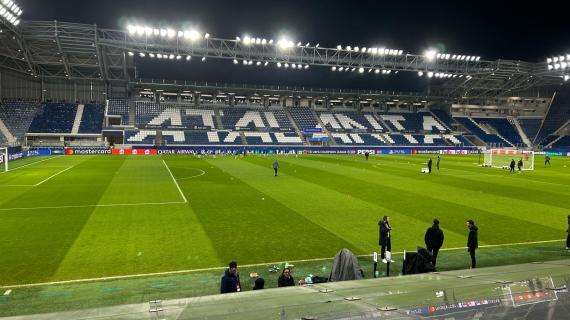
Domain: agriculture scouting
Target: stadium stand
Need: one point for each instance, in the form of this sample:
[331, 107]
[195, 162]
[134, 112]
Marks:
[477, 130]
[304, 117]
[503, 128]
[444, 117]
[119, 108]
[53, 117]
[558, 114]
[563, 142]
[92, 120]
[17, 117]
[530, 126]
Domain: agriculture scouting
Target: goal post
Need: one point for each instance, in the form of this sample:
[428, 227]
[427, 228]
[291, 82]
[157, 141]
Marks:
[501, 158]
[4, 159]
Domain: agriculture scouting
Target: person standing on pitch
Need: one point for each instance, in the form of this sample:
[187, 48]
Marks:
[385, 240]
[429, 164]
[520, 164]
[434, 239]
[546, 160]
[437, 162]
[568, 234]
[276, 167]
[472, 241]
[512, 166]
[366, 155]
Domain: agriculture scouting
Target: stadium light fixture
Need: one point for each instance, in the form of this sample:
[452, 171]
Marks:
[203, 59]
[286, 65]
[266, 63]
[171, 57]
[420, 73]
[188, 57]
[159, 56]
[131, 53]
[151, 55]
[178, 57]
[306, 67]
[341, 69]
[566, 77]
[431, 54]
[333, 68]
[278, 64]
[361, 70]
[339, 47]
[244, 62]
[293, 66]
[207, 36]
[142, 55]
[285, 44]
[430, 74]
[377, 71]
[235, 61]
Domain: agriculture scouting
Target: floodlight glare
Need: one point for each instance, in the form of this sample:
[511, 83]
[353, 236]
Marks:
[333, 68]
[430, 74]
[207, 36]
[178, 57]
[306, 66]
[286, 65]
[258, 63]
[339, 47]
[235, 61]
[431, 54]
[361, 70]
[566, 77]
[151, 55]
[131, 54]
[188, 58]
[420, 73]
[266, 63]
[142, 55]
[203, 59]
[245, 62]
[171, 57]
[377, 71]
[278, 64]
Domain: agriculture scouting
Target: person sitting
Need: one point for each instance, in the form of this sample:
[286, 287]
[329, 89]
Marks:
[259, 284]
[285, 280]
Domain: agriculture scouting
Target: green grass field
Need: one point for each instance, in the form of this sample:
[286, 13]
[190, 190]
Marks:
[76, 217]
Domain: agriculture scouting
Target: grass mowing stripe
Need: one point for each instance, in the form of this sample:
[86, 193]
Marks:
[53, 176]
[352, 218]
[97, 206]
[175, 182]
[435, 187]
[130, 276]
[426, 208]
[29, 164]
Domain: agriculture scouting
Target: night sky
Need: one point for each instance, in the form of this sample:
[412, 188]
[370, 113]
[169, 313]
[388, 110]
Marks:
[491, 29]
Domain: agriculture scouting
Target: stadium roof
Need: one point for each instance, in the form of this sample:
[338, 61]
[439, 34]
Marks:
[468, 65]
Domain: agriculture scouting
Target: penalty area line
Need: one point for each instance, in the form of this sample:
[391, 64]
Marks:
[96, 205]
[165, 273]
[175, 182]
[53, 176]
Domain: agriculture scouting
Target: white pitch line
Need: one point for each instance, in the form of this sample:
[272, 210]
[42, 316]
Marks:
[140, 275]
[29, 164]
[96, 205]
[194, 176]
[53, 176]
[175, 182]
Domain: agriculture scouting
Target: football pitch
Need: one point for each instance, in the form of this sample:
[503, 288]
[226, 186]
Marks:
[76, 217]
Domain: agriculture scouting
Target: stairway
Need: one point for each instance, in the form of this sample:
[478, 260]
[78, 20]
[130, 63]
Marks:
[78, 117]
[295, 126]
[520, 130]
[218, 113]
[6, 133]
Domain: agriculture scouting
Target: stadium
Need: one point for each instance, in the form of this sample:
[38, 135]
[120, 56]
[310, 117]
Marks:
[139, 157]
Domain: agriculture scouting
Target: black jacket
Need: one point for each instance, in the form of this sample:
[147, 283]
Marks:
[384, 232]
[230, 282]
[434, 237]
[429, 163]
[285, 282]
[472, 241]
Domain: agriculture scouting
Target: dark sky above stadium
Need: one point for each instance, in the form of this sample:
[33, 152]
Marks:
[522, 30]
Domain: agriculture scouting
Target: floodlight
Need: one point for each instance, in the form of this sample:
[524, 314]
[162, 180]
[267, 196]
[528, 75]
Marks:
[156, 32]
[258, 63]
[420, 73]
[293, 66]
[193, 35]
[430, 74]
[431, 54]
[235, 61]
[245, 62]
[266, 63]
[361, 70]
[188, 58]
[163, 32]
[377, 71]
[270, 41]
[333, 68]
[180, 34]
[263, 41]
[151, 55]
[131, 54]
[339, 47]
[178, 57]
[555, 59]
[306, 66]
[159, 56]
[566, 77]
[207, 36]
[563, 65]
[278, 64]
[299, 44]
[317, 45]
[308, 44]
[284, 43]
[238, 39]
[561, 58]
[348, 48]
[257, 41]
[286, 65]
[142, 55]
[352, 69]
[356, 49]
[557, 66]
[130, 28]
[170, 33]
[171, 57]
[203, 59]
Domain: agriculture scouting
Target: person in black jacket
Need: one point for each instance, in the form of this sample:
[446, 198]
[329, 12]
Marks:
[512, 166]
[385, 240]
[434, 240]
[429, 164]
[230, 280]
[472, 242]
[285, 279]
[568, 234]
[259, 284]
[276, 167]
[520, 164]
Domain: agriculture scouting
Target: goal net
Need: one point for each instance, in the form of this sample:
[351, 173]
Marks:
[501, 158]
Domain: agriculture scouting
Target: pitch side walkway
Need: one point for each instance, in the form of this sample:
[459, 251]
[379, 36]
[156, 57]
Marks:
[395, 297]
